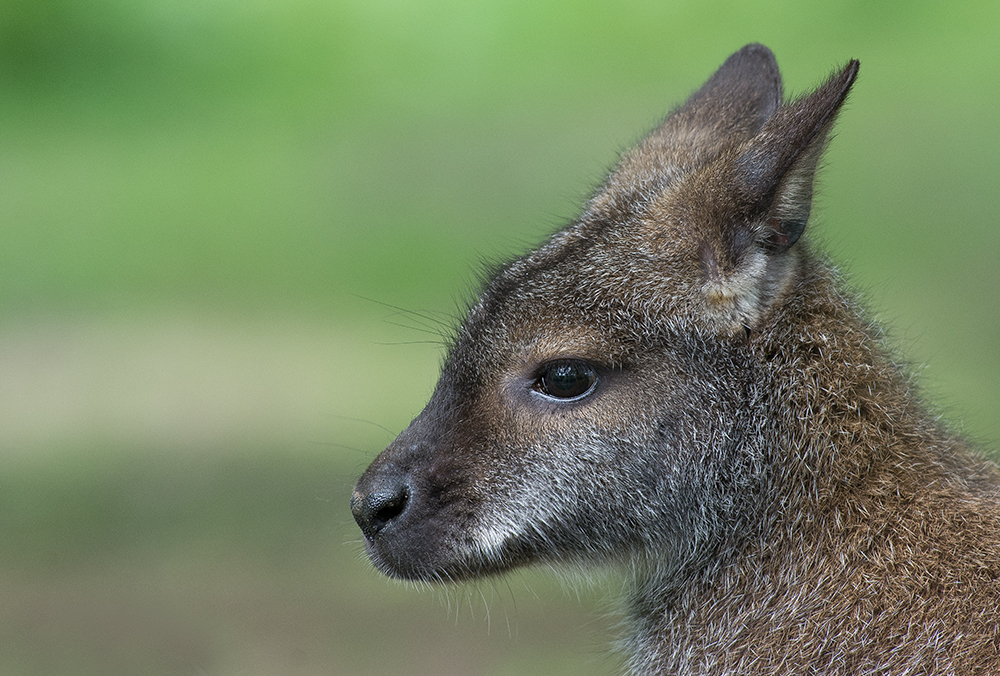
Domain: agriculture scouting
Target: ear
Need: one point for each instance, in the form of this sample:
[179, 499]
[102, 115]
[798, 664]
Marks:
[728, 109]
[777, 168]
[732, 106]
[759, 202]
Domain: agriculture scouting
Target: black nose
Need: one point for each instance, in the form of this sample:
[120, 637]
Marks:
[376, 505]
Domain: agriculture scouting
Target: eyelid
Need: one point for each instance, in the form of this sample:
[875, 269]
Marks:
[546, 364]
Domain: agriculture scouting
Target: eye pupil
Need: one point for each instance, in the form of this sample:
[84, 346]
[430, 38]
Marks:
[567, 379]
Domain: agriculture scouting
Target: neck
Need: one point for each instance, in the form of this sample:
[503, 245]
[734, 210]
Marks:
[856, 471]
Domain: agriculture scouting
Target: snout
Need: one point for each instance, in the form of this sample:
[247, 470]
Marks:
[407, 535]
[422, 503]
[414, 505]
[378, 500]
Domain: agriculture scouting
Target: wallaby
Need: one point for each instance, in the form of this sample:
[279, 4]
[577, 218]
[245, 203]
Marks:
[678, 384]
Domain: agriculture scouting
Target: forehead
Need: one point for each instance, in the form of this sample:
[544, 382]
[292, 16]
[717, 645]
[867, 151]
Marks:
[591, 290]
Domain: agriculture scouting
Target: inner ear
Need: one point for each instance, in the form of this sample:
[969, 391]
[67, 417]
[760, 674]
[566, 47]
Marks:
[782, 233]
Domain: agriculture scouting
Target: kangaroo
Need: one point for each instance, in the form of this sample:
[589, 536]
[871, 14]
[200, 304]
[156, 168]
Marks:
[678, 384]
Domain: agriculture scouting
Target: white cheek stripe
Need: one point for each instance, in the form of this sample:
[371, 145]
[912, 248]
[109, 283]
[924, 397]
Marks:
[530, 505]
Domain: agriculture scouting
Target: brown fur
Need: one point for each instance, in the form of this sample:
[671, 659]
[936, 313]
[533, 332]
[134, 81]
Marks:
[748, 451]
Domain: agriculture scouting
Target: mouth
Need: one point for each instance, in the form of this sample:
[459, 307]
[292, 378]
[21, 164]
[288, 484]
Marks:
[424, 550]
[418, 566]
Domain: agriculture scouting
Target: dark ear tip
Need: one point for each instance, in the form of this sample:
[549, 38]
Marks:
[840, 83]
[755, 52]
[756, 48]
[849, 73]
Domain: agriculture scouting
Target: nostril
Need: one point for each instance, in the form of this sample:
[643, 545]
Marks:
[386, 506]
[376, 509]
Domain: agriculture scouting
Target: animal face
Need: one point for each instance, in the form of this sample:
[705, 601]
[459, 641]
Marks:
[596, 403]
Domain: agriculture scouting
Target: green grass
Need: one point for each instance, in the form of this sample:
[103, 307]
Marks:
[206, 209]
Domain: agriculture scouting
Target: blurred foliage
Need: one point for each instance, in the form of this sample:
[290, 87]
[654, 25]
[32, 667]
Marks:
[252, 153]
[260, 169]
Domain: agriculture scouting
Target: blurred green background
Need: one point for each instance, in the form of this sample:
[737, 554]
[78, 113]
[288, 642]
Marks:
[210, 209]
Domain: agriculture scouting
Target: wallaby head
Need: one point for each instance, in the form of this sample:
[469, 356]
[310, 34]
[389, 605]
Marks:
[673, 382]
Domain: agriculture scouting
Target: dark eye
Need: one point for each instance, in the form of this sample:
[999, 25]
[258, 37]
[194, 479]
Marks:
[566, 379]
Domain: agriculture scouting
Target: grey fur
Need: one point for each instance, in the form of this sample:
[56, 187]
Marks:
[751, 454]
